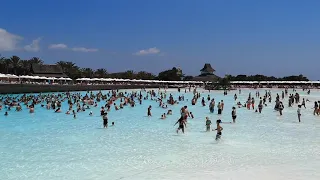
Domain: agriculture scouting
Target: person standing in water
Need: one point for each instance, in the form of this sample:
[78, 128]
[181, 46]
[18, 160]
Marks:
[184, 112]
[316, 106]
[260, 106]
[208, 124]
[303, 103]
[280, 108]
[234, 114]
[149, 111]
[252, 103]
[219, 108]
[222, 105]
[219, 130]
[299, 112]
[182, 124]
[105, 120]
[211, 106]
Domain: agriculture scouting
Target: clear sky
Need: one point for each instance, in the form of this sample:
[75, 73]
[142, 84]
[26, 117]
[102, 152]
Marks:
[270, 37]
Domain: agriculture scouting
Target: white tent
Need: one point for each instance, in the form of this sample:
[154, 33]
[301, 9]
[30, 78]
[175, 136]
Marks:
[3, 76]
[25, 77]
[62, 78]
[12, 76]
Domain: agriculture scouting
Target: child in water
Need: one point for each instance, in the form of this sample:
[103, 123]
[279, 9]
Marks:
[191, 115]
[163, 116]
[208, 124]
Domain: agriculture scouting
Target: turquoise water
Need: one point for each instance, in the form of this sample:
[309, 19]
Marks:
[54, 146]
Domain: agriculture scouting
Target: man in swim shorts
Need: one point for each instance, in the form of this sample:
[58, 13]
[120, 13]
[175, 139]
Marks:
[105, 120]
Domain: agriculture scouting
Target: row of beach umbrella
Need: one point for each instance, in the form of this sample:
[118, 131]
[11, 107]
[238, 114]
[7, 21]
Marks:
[138, 80]
[196, 82]
[12, 76]
[275, 82]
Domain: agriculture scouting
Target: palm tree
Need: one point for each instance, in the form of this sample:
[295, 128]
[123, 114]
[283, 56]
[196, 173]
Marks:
[25, 66]
[87, 72]
[101, 73]
[7, 63]
[224, 83]
[15, 63]
[129, 74]
[35, 60]
[70, 69]
[2, 64]
[66, 66]
[145, 75]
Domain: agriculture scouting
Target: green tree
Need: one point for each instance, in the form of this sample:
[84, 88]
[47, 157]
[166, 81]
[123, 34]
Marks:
[87, 72]
[35, 60]
[224, 83]
[145, 75]
[2, 64]
[187, 78]
[128, 75]
[173, 74]
[25, 67]
[15, 64]
[101, 73]
[70, 69]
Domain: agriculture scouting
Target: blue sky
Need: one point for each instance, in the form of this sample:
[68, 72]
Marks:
[271, 37]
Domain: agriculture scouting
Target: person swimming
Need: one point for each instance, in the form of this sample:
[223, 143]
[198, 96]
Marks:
[163, 116]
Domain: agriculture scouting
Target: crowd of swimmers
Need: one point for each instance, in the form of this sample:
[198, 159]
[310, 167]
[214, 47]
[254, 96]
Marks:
[85, 103]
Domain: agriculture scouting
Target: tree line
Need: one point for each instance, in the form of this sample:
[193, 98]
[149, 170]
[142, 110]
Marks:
[260, 77]
[16, 65]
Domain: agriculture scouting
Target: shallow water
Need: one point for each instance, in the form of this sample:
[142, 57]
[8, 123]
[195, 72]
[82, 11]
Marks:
[47, 145]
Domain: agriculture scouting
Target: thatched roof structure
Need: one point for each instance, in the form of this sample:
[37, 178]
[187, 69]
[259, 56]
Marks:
[207, 68]
[47, 70]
